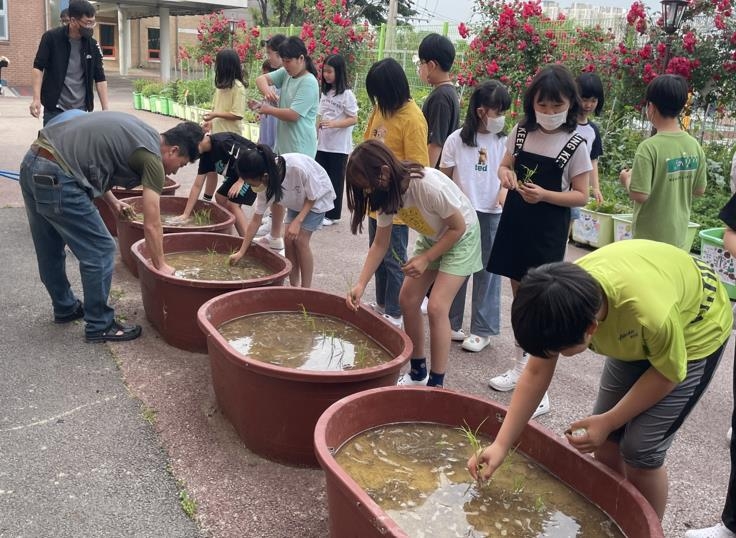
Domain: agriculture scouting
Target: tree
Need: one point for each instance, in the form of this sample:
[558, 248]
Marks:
[284, 12]
[376, 11]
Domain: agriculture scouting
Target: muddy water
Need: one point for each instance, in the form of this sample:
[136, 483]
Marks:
[203, 218]
[416, 472]
[303, 341]
[211, 265]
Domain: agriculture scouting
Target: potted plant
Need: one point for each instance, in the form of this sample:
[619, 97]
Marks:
[595, 225]
[163, 294]
[138, 85]
[352, 512]
[273, 408]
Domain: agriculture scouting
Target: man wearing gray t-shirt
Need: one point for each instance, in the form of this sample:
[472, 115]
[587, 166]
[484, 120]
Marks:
[67, 62]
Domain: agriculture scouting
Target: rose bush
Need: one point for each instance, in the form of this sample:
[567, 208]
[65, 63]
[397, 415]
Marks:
[213, 34]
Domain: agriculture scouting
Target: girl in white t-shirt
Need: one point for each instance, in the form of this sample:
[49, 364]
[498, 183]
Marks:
[447, 250]
[471, 156]
[338, 113]
[297, 183]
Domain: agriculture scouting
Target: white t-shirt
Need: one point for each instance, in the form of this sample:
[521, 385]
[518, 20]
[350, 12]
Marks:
[587, 132]
[304, 180]
[427, 201]
[550, 145]
[336, 107]
[475, 169]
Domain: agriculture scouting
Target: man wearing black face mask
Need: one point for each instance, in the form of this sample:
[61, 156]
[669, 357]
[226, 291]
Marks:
[67, 62]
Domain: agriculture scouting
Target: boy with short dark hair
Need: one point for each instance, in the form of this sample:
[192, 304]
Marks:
[442, 107]
[669, 168]
[661, 317]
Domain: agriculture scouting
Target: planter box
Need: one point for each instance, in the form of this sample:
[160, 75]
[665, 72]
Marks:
[713, 252]
[352, 512]
[255, 132]
[145, 103]
[274, 409]
[154, 103]
[622, 229]
[593, 228]
[130, 231]
[137, 100]
[171, 303]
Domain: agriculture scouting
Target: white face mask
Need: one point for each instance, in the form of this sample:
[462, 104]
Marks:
[550, 122]
[495, 125]
[259, 188]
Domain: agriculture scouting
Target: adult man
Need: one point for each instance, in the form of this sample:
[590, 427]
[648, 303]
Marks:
[68, 60]
[69, 164]
[64, 17]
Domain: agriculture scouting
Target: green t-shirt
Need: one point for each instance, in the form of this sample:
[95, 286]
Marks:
[150, 169]
[656, 295]
[668, 167]
[302, 96]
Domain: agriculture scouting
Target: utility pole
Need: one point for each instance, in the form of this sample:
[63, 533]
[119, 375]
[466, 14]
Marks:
[393, 8]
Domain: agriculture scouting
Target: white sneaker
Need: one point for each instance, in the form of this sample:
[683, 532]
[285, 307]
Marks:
[717, 531]
[377, 308]
[507, 380]
[329, 222]
[406, 380]
[476, 343]
[265, 226]
[457, 336]
[423, 308]
[396, 322]
[274, 243]
[543, 407]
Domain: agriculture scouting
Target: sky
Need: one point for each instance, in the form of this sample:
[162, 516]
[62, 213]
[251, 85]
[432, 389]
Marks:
[456, 11]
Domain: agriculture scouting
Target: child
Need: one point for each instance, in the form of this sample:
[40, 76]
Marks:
[218, 154]
[397, 121]
[297, 183]
[441, 109]
[662, 318]
[228, 109]
[338, 112]
[546, 170]
[296, 111]
[471, 156]
[592, 99]
[267, 130]
[669, 168]
[727, 527]
[446, 252]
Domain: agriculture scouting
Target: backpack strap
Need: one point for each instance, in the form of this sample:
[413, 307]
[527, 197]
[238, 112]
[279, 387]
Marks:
[520, 138]
[567, 151]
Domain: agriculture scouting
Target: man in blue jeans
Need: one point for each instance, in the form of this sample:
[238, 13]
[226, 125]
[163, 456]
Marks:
[71, 163]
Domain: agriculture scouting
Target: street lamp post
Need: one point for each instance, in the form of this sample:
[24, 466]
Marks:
[672, 11]
[232, 23]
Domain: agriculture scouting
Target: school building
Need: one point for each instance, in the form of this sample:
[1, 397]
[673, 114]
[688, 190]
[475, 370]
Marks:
[131, 33]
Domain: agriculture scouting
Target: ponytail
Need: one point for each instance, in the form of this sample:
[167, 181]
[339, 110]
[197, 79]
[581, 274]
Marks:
[256, 162]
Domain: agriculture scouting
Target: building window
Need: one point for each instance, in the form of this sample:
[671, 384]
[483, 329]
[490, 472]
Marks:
[4, 20]
[154, 44]
[107, 40]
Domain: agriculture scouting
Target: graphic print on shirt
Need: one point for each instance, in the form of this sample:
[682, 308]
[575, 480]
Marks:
[412, 217]
[482, 164]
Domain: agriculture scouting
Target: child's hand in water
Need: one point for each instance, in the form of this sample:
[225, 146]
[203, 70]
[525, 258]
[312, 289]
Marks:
[353, 297]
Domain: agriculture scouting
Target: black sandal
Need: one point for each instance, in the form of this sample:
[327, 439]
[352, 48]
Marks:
[117, 332]
[77, 313]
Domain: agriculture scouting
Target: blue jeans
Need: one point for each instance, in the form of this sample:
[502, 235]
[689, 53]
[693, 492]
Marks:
[485, 319]
[60, 215]
[389, 276]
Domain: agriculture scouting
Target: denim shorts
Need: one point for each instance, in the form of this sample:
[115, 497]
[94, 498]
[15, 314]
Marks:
[312, 222]
[645, 439]
[462, 259]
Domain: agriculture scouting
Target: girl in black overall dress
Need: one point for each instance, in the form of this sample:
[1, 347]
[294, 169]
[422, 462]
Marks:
[546, 170]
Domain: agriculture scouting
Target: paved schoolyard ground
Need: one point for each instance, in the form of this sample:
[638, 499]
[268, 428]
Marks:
[103, 440]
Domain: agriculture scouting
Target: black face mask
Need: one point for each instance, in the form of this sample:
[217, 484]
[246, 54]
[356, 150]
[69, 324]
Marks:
[86, 32]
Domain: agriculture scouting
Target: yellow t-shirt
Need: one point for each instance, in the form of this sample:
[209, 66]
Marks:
[405, 134]
[663, 305]
[230, 100]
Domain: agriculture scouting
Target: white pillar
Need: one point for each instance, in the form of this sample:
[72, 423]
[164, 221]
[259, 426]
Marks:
[165, 45]
[123, 42]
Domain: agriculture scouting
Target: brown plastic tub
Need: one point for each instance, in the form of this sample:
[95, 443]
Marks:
[353, 513]
[130, 231]
[274, 409]
[108, 217]
[171, 303]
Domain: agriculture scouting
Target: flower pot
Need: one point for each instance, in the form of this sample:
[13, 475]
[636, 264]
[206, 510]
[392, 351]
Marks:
[109, 218]
[130, 231]
[713, 252]
[622, 229]
[274, 409]
[145, 103]
[168, 107]
[171, 302]
[137, 100]
[178, 110]
[353, 513]
[593, 228]
[155, 107]
[255, 132]
[189, 113]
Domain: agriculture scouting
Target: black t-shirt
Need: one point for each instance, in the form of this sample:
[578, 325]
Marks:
[226, 147]
[442, 112]
[597, 150]
[728, 213]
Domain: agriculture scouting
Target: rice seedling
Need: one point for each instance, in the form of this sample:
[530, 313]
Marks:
[202, 217]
